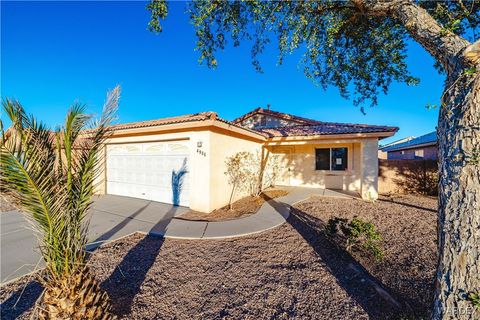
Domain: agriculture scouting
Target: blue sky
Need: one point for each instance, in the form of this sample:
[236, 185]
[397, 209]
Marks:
[53, 53]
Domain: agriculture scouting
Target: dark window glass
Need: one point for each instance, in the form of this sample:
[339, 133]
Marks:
[339, 158]
[322, 159]
[263, 121]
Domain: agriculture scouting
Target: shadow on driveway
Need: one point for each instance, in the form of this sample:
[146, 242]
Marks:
[110, 233]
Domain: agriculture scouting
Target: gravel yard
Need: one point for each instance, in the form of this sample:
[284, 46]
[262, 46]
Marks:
[6, 203]
[290, 272]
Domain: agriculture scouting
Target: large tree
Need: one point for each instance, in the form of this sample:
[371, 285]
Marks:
[359, 46]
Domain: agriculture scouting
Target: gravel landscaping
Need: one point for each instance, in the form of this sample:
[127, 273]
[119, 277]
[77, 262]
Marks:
[6, 203]
[290, 272]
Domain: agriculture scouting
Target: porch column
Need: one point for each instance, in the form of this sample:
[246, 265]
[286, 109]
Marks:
[369, 169]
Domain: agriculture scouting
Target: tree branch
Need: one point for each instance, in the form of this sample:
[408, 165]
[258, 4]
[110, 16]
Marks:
[472, 53]
[441, 43]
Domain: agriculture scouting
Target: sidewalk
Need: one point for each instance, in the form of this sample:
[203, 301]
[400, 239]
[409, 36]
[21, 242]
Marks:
[272, 214]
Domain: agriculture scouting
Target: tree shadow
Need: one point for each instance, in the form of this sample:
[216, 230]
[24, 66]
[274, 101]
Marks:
[21, 301]
[373, 296]
[410, 176]
[407, 205]
[132, 271]
[178, 178]
[107, 235]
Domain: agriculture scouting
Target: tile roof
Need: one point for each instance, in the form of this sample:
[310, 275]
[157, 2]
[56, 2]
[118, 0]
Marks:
[325, 128]
[429, 138]
[306, 127]
[310, 127]
[201, 116]
[282, 115]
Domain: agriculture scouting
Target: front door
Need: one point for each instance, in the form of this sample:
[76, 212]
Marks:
[285, 164]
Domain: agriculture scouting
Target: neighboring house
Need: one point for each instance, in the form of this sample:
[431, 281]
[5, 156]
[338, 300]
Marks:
[181, 160]
[420, 148]
[382, 154]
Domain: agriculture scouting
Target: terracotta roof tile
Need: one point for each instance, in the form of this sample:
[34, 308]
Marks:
[325, 128]
[202, 116]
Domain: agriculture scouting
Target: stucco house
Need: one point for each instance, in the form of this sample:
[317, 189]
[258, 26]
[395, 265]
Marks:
[181, 160]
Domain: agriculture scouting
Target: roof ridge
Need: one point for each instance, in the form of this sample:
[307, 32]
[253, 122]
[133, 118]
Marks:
[279, 114]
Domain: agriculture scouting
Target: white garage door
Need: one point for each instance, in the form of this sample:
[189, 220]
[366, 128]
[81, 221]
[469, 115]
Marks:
[152, 171]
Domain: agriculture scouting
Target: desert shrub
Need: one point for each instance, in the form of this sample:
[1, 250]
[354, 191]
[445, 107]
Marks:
[474, 298]
[357, 234]
[251, 172]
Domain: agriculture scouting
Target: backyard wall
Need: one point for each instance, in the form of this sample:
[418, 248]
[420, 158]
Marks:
[407, 176]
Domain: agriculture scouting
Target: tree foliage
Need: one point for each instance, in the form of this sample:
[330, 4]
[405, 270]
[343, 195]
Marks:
[342, 44]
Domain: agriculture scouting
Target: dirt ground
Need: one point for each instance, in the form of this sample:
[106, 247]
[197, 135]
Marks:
[290, 272]
[240, 208]
[6, 203]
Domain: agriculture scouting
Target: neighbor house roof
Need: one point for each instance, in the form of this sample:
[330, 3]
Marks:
[277, 114]
[382, 147]
[326, 128]
[428, 139]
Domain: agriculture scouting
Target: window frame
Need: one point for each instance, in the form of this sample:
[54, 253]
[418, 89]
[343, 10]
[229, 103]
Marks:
[347, 166]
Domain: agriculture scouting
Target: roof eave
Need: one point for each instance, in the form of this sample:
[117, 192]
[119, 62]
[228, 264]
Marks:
[186, 126]
[379, 135]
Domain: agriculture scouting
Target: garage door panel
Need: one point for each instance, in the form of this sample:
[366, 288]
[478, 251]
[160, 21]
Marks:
[149, 171]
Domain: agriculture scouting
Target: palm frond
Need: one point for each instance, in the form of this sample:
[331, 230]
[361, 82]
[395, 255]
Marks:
[52, 174]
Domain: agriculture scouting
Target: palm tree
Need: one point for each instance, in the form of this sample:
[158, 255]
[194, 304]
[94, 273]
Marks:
[52, 176]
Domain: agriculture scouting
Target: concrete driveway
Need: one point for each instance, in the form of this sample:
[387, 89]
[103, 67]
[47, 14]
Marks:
[112, 217]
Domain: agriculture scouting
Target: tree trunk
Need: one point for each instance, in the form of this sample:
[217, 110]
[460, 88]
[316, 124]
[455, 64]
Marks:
[458, 270]
[74, 297]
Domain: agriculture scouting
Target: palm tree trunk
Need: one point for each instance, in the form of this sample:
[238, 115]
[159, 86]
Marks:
[76, 296]
[458, 270]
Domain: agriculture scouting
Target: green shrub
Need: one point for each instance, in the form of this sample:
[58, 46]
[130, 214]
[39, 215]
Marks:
[474, 298]
[358, 234]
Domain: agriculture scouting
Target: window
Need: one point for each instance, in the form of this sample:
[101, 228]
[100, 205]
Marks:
[331, 159]
[419, 154]
[263, 121]
[322, 159]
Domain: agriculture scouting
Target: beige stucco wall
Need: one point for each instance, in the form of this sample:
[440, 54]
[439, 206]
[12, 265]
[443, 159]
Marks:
[301, 166]
[369, 166]
[223, 145]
